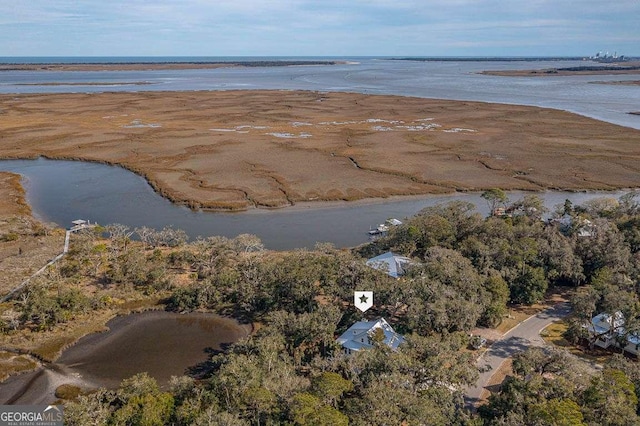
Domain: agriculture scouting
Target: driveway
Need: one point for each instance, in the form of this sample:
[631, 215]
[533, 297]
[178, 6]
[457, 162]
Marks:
[524, 335]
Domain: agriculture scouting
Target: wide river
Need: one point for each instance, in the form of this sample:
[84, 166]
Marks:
[61, 191]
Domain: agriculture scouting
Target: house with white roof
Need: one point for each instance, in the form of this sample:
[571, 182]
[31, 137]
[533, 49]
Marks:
[360, 336]
[390, 263]
[610, 330]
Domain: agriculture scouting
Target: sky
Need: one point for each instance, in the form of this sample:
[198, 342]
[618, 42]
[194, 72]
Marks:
[318, 27]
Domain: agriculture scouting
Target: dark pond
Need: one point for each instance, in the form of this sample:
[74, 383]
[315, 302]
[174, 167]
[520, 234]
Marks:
[161, 344]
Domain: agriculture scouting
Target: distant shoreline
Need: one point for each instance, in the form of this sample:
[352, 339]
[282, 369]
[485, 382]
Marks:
[619, 83]
[631, 68]
[491, 59]
[145, 66]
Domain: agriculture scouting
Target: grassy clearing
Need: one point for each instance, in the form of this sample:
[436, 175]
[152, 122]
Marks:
[513, 318]
[554, 334]
[12, 363]
[68, 392]
[140, 305]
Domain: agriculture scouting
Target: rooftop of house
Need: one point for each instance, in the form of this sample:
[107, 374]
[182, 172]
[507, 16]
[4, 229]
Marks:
[390, 263]
[602, 323]
[359, 335]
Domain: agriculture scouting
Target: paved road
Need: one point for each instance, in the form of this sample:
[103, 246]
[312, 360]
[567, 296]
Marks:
[519, 338]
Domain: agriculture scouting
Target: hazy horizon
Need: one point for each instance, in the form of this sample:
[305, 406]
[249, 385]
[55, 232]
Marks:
[308, 28]
[249, 58]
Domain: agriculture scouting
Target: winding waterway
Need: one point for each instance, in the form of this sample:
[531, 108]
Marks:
[62, 191]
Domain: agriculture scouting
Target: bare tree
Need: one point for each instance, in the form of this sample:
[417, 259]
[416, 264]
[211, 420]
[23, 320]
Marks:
[120, 235]
[146, 235]
[247, 243]
[12, 318]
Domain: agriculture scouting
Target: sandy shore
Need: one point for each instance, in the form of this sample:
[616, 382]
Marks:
[236, 150]
[39, 386]
[149, 66]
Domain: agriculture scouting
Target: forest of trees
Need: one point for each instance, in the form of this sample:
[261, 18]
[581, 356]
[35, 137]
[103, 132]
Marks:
[466, 270]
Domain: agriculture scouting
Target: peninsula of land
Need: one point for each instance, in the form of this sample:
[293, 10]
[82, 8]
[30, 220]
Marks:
[629, 68]
[147, 66]
[24, 242]
[236, 150]
[619, 83]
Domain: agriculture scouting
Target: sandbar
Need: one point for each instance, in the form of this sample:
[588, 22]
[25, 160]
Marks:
[238, 150]
[90, 83]
[622, 83]
[628, 68]
[154, 66]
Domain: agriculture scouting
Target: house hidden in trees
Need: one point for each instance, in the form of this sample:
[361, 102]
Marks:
[390, 263]
[584, 227]
[610, 331]
[361, 335]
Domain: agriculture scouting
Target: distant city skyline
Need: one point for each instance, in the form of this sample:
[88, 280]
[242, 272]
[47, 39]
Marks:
[319, 28]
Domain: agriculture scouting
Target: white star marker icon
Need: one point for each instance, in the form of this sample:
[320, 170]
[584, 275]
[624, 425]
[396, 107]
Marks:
[363, 300]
